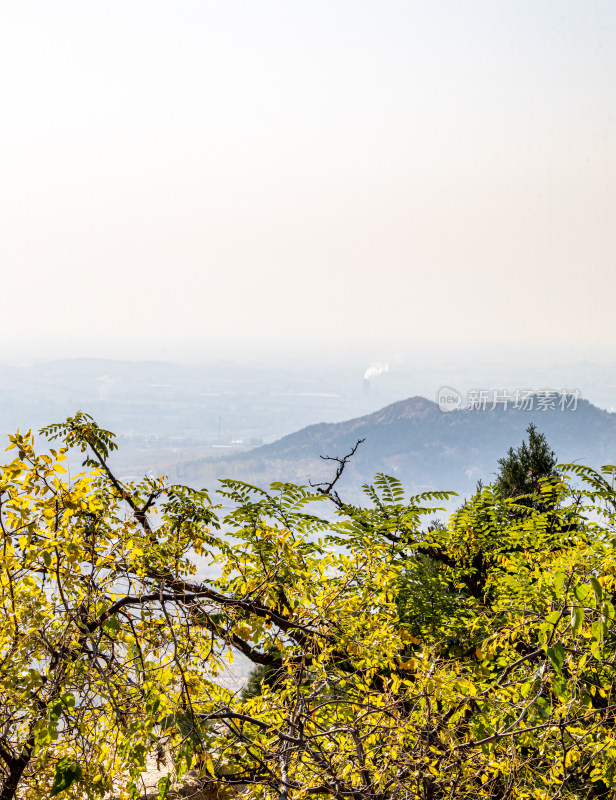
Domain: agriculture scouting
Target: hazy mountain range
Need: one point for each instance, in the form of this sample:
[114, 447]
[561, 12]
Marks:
[418, 443]
[198, 422]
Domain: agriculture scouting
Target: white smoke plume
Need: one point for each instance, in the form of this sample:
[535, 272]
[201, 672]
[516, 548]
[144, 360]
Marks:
[375, 371]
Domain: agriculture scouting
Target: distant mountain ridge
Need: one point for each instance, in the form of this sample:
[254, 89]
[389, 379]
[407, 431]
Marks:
[416, 442]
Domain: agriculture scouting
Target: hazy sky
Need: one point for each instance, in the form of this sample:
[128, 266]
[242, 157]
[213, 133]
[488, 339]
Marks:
[400, 173]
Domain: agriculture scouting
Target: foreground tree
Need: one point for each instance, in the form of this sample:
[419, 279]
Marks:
[398, 659]
[89, 642]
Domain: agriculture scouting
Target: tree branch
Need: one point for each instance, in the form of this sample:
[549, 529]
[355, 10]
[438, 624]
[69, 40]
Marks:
[328, 488]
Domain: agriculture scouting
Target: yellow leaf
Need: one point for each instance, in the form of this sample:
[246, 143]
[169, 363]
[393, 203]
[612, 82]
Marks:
[209, 764]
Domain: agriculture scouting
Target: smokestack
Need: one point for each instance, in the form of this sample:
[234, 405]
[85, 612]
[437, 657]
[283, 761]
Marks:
[374, 371]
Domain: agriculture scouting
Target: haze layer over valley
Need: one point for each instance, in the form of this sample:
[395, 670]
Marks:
[196, 422]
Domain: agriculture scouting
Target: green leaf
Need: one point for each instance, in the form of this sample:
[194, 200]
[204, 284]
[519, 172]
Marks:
[607, 611]
[559, 582]
[582, 593]
[55, 710]
[44, 735]
[599, 630]
[598, 589]
[67, 772]
[164, 784]
[556, 654]
[577, 619]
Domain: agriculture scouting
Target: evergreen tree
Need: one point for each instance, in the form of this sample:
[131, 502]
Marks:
[522, 468]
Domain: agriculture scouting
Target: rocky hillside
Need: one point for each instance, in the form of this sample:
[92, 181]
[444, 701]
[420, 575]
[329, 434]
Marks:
[418, 443]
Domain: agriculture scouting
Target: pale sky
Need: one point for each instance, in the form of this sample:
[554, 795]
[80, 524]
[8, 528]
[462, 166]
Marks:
[395, 172]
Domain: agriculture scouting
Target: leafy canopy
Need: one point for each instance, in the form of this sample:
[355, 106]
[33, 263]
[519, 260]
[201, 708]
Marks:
[398, 659]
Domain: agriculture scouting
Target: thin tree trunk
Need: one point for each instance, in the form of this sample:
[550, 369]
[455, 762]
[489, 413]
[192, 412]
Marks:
[16, 769]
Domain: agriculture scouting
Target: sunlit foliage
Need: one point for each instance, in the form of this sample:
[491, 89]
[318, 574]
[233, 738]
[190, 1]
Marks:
[397, 659]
